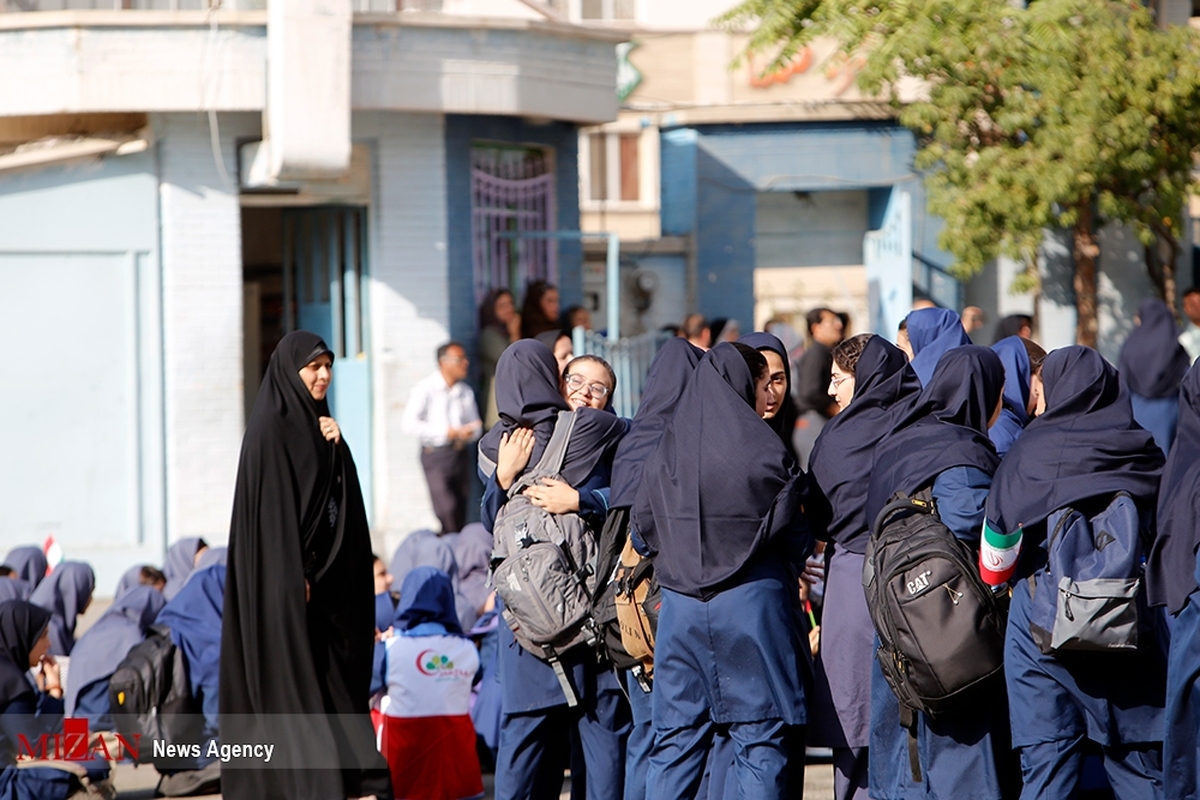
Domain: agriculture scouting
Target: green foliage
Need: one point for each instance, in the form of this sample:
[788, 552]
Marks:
[1028, 116]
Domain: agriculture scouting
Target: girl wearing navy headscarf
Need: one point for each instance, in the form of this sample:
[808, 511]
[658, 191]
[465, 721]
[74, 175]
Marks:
[668, 376]
[940, 443]
[875, 378]
[29, 562]
[66, 593]
[31, 711]
[720, 508]
[194, 616]
[181, 560]
[1022, 358]
[1152, 364]
[427, 735]
[1172, 578]
[781, 410]
[536, 719]
[100, 651]
[1086, 446]
[931, 332]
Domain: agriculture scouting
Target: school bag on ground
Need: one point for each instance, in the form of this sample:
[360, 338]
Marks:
[543, 566]
[1088, 596]
[627, 604]
[149, 695]
[940, 627]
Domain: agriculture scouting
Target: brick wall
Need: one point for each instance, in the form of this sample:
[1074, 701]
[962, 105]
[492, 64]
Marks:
[202, 320]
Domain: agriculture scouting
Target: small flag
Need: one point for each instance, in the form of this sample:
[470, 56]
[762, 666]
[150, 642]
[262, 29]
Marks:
[998, 554]
[54, 554]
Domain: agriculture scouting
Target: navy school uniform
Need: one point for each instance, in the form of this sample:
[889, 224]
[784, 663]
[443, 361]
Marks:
[1181, 750]
[1086, 445]
[963, 753]
[720, 510]
[535, 718]
[940, 441]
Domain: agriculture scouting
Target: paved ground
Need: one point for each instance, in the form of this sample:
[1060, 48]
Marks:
[138, 783]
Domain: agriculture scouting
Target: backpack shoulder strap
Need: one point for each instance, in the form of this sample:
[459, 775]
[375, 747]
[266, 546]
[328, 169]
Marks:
[551, 462]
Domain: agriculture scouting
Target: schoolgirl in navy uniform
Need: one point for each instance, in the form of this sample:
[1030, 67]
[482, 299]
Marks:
[940, 442]
[872, 383]
[536, 722]
[1085, 446]
[721, 509]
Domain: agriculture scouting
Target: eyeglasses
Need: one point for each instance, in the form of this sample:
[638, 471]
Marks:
[577, 382]
[837, 382]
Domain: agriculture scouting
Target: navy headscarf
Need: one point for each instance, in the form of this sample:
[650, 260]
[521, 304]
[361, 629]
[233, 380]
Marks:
[884, 384]
[101, 650]
[1085, 445]
[669, 374]
[21, 625]
[528, 396]
[181, 560]
[130, 579]
[720, 488]
[65, 594]
[784, 421]
[423, 548]
[29, 562]
[426, 596]
[194, 616]
[14, 589]
[932, 332]
[945, 427]
[1170, 572]
[473, 554]
[1015, 414]
[1153, 362]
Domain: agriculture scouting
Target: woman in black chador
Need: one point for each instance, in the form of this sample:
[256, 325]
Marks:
[298, 626]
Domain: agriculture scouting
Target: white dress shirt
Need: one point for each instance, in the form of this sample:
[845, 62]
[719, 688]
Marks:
[433, 408]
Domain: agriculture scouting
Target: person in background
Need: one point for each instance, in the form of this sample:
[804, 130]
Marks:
[695, 330]
[181, 560]
[66, 594]
[499, 326]
[576, 317]
[385, 601]
[12, 587]
[1190, 338]
[560, 344]
[1022, 359]
[723, 329]
[29, 562]
[540, 312]
[441, 412]
[931, 332]
[29, 710]
[1014, 325]
[140, 575]
[973, 320]
[1152, 365]
[813, 403]
[428, 738]
[101, 650]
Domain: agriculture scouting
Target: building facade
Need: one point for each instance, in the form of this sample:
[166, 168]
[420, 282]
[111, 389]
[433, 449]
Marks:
[154, 255]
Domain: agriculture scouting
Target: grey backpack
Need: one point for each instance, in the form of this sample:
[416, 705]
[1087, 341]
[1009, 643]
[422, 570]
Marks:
[543, 566]
[1088, 596]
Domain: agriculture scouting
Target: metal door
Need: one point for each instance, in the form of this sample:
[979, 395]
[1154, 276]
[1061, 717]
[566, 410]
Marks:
[325, 289]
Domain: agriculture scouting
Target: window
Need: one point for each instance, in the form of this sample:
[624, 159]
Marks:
[614, 167]
[606, 9]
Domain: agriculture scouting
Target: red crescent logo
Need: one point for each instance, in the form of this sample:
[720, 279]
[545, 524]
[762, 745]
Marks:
[421, 662]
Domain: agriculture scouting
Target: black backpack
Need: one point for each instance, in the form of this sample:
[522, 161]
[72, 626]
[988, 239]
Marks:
[150, 696]
[941, 628]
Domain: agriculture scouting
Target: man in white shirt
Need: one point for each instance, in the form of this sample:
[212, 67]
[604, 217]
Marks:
[442, 413]
[1190, 338]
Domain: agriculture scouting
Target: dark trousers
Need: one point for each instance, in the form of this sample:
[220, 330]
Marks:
[446, 473]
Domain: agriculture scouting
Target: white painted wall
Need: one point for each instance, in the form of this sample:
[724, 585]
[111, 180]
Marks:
[410, 303]
[202, 312]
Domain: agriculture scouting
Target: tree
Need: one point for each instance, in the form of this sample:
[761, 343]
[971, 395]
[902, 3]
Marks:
[1065, 114]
